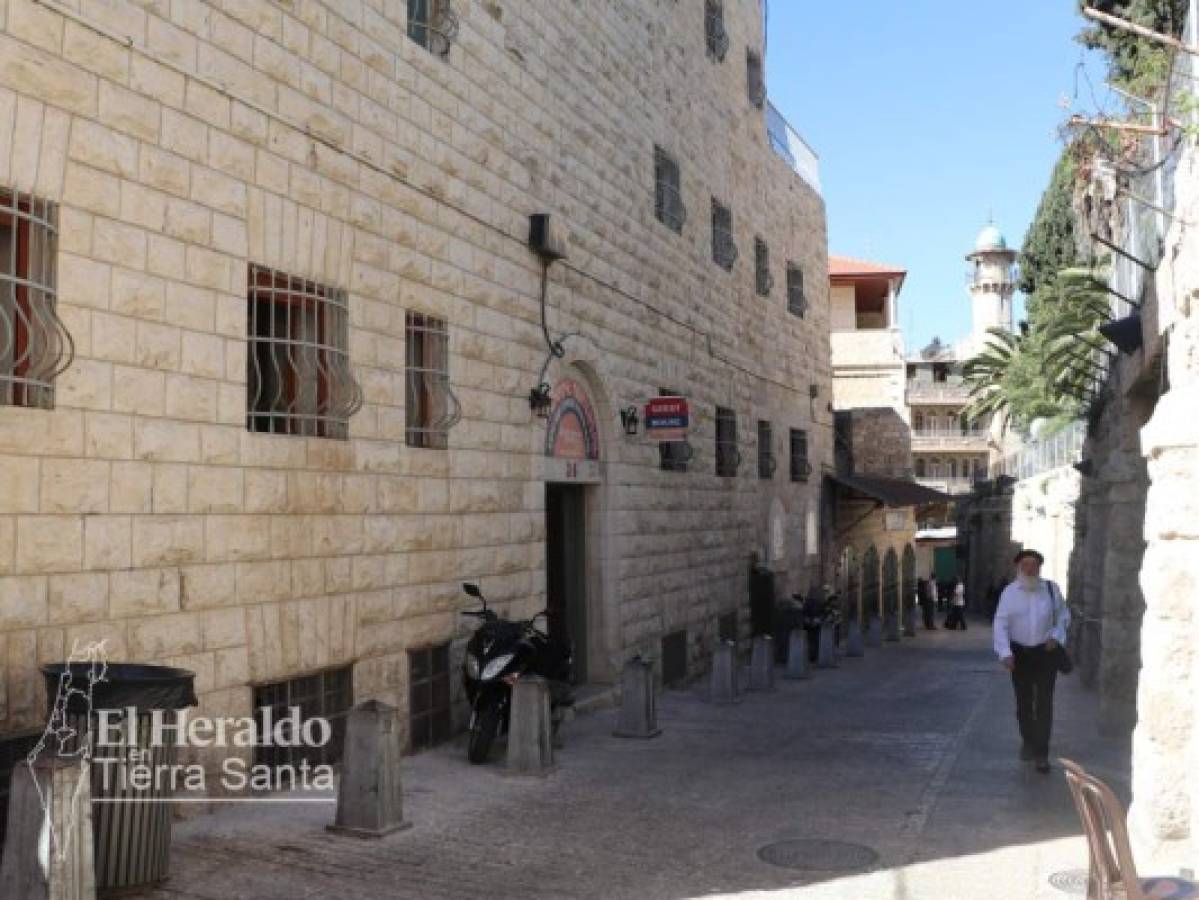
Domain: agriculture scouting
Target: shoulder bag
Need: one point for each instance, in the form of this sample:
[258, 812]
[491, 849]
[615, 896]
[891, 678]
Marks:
[1061, 657]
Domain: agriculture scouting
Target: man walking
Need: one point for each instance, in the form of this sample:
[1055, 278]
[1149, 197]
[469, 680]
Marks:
[926, 592]
[1030, 624]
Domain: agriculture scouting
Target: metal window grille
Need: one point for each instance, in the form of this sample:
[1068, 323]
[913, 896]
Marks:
[755, 81]
[13, 752]
[298, 366]
[727, 456]
[766, 460]
[726, 626]
[668, 197]
[429, 720]
[797, 302]
[674, 658]
[326, 695]
[724, 249]
[431, 408]
[673, 456]
[35, 346]
[716, 38]
[763, 280]
[800, 467]
[433, 24]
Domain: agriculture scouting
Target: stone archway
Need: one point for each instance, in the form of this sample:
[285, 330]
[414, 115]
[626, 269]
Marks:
[871, 595]
[891, 588]
[907, 568]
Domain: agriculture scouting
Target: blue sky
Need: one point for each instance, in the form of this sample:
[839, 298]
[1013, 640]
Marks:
[927, 115]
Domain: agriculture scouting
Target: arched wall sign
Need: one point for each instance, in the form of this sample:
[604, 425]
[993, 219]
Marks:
[571, 432]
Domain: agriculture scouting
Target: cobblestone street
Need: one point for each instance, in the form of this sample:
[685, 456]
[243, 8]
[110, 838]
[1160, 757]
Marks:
[910, 752]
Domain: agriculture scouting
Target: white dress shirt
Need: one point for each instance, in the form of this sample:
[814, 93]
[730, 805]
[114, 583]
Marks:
[1026, 617]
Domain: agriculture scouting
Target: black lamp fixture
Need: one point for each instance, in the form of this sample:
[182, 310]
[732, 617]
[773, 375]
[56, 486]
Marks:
[539, 401]
[1124, 333]
[1084, 467]
[629, 420]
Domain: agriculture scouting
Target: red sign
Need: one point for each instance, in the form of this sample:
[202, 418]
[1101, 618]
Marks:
[667, 418]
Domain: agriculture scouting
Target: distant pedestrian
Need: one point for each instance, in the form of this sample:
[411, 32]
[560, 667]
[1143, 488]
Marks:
[927, 594]
[1030, 625]
[957, 608]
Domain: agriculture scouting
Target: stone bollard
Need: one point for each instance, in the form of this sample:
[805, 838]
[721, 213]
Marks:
[761, 664]
[530, 730]
[638, 702]
[826, 652]
[909, 622]
[50, 802]
[797, 655]
[874, 632]
[854, 646]
[370, 801]
[891, 628]
[724, 674]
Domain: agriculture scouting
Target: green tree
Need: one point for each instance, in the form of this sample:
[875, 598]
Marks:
[1134, 63]
[1050, 244]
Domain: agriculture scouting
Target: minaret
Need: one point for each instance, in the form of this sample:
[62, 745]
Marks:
[992, 282]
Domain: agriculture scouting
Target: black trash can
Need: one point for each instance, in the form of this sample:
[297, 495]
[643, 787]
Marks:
[133, 836]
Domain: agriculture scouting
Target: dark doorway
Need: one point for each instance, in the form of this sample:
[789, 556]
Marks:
[565, 568]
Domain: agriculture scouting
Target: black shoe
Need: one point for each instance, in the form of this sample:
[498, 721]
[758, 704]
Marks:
[1043, 765]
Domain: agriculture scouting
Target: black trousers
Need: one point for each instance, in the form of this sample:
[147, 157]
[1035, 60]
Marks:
[927, 610]
[1033, 679]
[956, 619]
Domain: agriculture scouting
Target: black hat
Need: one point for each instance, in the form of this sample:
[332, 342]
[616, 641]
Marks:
[1024, 554]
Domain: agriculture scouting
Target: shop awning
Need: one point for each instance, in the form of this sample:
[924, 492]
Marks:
[891, 492]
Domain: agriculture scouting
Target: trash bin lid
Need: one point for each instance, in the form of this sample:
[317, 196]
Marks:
[141, 686]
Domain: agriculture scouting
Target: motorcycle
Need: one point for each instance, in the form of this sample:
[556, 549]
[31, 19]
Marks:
[498, 654]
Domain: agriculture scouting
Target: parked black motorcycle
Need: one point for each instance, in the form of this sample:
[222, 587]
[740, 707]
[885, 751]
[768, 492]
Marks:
[497, 655]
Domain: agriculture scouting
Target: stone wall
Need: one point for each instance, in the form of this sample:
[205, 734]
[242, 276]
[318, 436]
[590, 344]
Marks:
[877, 441]
[184, 140]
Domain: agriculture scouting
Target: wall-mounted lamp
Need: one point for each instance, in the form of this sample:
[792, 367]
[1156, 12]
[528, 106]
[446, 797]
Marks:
[629, 420]
[539, 401]
[1084, 467]
[1124, 333]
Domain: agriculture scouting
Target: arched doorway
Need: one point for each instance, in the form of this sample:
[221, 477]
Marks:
[890, 586]
[908, 574]
[870, 585]
[848, 581]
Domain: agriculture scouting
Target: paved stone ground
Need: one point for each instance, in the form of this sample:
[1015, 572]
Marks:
[911, 752]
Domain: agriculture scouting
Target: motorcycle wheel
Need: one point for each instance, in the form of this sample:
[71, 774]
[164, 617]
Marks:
[487, 724]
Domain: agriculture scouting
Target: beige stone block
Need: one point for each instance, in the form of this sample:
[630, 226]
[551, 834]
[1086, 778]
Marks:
[8, 545]
[23, 603]
[138, 391]
[19, 480]
[102, 148]
[215, 489]
[230, 155]
[235, 538]
[107, 542]
[95, 52]
[165, 171]
[116, 242]
[191, 307]
[184, 135]
[87, 384]
[224, 628]
[80, 597]
[218, 191]
[154, 80]
[143, 206]
[166, 256]
[203, 355]
[161, 636]
[74, 236]
[74, 486]
[307, 577]
[52, 155]
[92, 190]
[129, 112]
[219, 445]
[209, 269]
[190, 398]
[166, 441]
[131, 488]
[108, 436]
[143, 592]
[208, 586]
[113, 339]
[169, 488]
[263, 582]
[60, 432]
[171, 43]
[232, 666]
[291, 537]
[229, 235]
[167, 540]
[188, 221]
[36, 73]
[137, 294]
[266, 491]
[83, 281]
[49, 544]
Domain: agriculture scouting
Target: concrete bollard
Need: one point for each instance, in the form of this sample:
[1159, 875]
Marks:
[530, 731]
[909, 622]
[797, 655]
[761, 664]
[638, 702]
[724, 674]
[854, 646]
[51, 802]
[891, 628]
[874, 632]
[826, 652]
[370, 800]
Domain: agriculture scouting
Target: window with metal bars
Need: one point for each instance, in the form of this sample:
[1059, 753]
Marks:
[326, 695]
[673, 456]
[13, 752]
[800, 467]
[766, 461]
[35, 346]
[763, 280]
[716, 38]
[797, 302]
[726, 626]
[755, 81]
[431, 408]
[668, 197]
[433, 24]
[724, 249]
[728, 458]
[674, 658]
[429, 720]
[298, 366]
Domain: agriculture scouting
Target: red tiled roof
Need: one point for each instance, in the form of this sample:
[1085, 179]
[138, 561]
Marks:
[847, 266]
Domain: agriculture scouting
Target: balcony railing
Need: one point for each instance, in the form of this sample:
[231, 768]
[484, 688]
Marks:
[786, 142]
[928, 441]
[969, 433]
[1063, 448]
[954, 486]
[937, 392]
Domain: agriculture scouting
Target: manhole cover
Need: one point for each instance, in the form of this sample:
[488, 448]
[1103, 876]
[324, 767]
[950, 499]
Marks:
[1071, 881]
[818, 855]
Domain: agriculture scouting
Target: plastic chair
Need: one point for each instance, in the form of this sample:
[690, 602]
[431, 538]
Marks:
[1113, 872]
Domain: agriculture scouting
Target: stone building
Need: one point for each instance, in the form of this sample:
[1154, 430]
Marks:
[867, 343]
[280, 336]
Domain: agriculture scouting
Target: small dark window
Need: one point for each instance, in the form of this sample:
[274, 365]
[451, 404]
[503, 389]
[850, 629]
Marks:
[920, 468]
[326, 695]
[715, 37]
[668, 197]
[940, 373]
[763, 280]
[724, 248]
[673, 456]
[800, 467]
[429, 720]
[727, 456]
[726, 627]
[432, 24]
[766, 461]
[797, 303]
[674, 658]
[755, 81]
[13, 752]
[431, 409]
